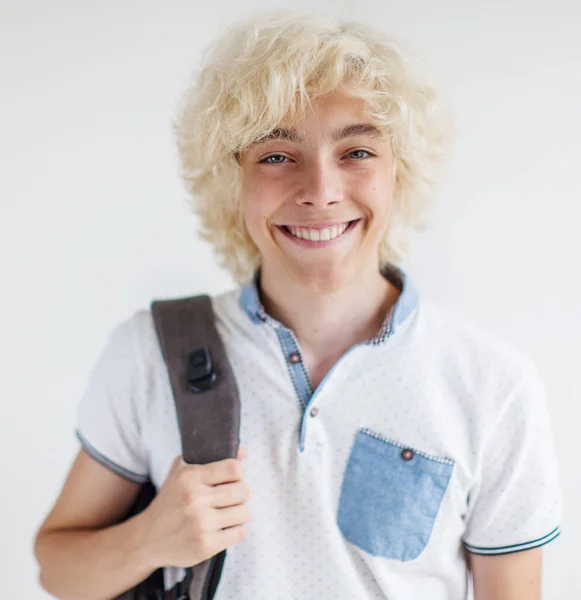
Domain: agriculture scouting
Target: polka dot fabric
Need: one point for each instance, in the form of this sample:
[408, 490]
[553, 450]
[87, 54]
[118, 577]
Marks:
[435, 384]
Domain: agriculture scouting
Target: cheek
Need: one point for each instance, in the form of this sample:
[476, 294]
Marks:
[383, 192]
[377, 197]
[377, 200]
[261, 202]
[256, 218]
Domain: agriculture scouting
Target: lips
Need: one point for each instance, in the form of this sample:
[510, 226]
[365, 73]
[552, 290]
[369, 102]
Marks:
[321, 225]
[320, 235]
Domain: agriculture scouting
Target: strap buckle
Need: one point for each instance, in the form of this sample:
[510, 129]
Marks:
[201, 374]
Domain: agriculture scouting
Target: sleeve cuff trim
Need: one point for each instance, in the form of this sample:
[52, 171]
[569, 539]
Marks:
[92, 451]
[516, 547]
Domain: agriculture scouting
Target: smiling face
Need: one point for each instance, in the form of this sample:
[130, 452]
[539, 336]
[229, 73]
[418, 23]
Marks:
[317, 194]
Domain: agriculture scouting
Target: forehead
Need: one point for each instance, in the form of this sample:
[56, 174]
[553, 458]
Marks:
[332, 117]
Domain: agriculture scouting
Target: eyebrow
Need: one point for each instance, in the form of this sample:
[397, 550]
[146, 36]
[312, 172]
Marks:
[339, 134]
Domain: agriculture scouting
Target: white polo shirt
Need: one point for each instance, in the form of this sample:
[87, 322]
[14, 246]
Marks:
[431, 438]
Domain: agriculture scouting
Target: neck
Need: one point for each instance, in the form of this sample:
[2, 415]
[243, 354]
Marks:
[329, 320]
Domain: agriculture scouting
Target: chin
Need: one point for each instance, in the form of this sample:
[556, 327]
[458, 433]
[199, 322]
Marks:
[324, 278]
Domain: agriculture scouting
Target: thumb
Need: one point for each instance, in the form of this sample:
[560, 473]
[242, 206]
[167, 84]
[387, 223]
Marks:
[178, 462]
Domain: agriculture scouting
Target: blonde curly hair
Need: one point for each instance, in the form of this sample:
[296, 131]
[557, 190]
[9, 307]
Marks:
[269, 68]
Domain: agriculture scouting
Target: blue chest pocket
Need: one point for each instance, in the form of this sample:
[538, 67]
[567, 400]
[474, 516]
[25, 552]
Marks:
[390, 496]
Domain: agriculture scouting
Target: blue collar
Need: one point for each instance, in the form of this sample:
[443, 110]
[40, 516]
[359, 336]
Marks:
[403, 308]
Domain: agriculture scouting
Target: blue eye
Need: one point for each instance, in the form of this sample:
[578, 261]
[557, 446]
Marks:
[364, 151]
[277, 162]
[280, 162]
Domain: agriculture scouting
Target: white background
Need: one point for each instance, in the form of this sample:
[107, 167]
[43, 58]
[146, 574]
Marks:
[94, 222]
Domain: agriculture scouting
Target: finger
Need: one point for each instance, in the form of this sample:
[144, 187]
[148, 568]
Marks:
[233, 515]
[229, 494]
[222, 471]
[229, 536]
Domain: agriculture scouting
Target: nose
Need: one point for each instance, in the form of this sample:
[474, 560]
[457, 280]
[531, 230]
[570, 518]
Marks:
[321, 185]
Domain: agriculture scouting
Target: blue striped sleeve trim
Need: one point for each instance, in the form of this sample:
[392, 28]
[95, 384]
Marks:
[100, 458]
[515, 547]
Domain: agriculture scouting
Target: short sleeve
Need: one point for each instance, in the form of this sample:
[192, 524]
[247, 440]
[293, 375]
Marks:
[517, 504]
[108, 423]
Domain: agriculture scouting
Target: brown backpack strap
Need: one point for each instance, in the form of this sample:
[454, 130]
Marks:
[206, 397]
[209, 419]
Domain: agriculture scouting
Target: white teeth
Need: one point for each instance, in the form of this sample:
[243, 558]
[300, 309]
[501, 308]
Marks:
[315, 235]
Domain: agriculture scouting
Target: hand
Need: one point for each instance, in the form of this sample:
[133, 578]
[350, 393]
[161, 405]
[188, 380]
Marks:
[199, 511]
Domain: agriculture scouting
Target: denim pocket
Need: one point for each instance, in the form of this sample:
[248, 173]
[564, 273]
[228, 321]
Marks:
[390, 496]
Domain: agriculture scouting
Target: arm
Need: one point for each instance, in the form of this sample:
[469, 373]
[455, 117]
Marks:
[80, 551]
[515, 576]
[515, 506]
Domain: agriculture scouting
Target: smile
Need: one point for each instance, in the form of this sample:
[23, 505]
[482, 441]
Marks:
[317, 236]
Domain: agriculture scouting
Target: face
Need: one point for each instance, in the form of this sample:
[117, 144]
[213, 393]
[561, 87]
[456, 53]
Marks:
[317, 195]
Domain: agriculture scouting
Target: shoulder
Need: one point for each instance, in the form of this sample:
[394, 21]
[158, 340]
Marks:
[228, 303]
[471, 351]
[139, 327]
[137, 330]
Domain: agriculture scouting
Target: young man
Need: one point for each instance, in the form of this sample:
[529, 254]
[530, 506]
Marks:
[390, 447]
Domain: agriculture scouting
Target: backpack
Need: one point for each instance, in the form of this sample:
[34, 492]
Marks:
[208, 411]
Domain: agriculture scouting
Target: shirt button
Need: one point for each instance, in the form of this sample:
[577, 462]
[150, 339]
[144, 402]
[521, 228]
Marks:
[314, 411]
[407, 454]
[294, 357]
